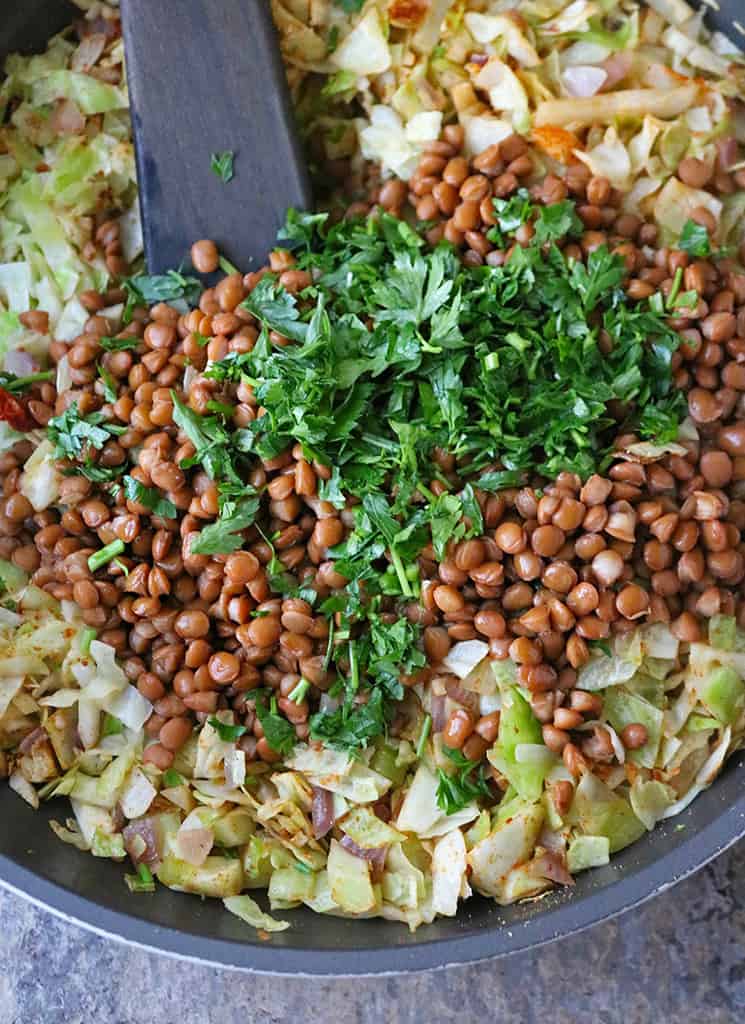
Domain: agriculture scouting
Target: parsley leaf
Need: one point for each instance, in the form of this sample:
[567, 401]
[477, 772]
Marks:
[72, 433]
[455, 791]
[278, 732]
[350, 727]
[118, 344]
[221, 164]
[228, 733]
[560, 220]
[330, 490]
[149, 289]
[350, 6]
[694, 239]
[109, 384]
[276, 308]
[213, 444]
[224, 535]
[150, 497]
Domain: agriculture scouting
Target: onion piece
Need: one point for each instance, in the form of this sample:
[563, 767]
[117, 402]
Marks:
[616, 68]
[20, 785]
[138, 794]
[88, 52]
[534, 753]
[235, 768]
[194, 844]
[551, 865]
[462, 658]
[29, 742]
[437, 710]
[141, 843]
[584, 80]
[19, 362]
[66, 119]
[322, 811]
[375, 857]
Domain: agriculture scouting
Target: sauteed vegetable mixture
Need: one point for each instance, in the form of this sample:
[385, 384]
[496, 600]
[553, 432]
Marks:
[410, 565]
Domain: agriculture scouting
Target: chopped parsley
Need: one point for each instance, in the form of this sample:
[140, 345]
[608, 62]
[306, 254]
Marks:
[149, 289]
[694, 239]
[118, 344]
[465, 784]
[72, 434]
[109, 384]
[224, 535]
[278, 732]
[150, 497]
[228, 733]
[17, 385]
[221, 164]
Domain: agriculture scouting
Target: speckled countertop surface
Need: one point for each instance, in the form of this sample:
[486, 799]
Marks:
[680, 958]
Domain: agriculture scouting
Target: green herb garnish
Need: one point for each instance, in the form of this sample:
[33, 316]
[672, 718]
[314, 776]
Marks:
[17, 385]
[228, 733]
[101, 558]
[118, 344]
[150, 497]
[149, 289]
[466, 784]
[694, 239]
[221, 164]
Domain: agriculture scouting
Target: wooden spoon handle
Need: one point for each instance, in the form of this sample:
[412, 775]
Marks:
[206, 76]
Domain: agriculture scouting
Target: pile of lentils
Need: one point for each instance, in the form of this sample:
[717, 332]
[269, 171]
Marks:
[561, 565]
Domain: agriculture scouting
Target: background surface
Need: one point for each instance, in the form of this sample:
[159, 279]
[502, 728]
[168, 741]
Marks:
[680, 958]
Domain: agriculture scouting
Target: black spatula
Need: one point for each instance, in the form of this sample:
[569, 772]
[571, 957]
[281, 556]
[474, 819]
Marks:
[206, 77]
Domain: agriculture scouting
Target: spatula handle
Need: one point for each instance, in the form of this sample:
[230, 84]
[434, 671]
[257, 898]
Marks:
[206, 76]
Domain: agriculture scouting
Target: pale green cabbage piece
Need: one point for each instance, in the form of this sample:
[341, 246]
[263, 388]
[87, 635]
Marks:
[510, 843]
[587, 852]
[349, 880]
[250, 912]
[42, 212]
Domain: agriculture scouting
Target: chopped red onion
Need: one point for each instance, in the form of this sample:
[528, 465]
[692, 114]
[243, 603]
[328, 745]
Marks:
[437, 710]
[552, 865]
[616, 67]
[322, 811]
[584, 80]
[19, 362]
[29, 742]
[66, 119]
[88, 52]
[138, 832]
[375, 857]
[727, 152]
[469, 700]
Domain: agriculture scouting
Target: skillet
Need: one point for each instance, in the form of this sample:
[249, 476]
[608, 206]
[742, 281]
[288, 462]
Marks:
[92, 892]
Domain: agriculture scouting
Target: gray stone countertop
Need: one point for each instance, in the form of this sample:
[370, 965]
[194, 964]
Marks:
[680, 958]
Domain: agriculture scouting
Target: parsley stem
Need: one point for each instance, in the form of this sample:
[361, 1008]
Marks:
[297, 695]
[86, 638]
[677, 281]
[423, 735]
[21, 383]
[227, 267]
[425, 492]
[398, 565]
[101, 558]
[354, 668]
[329, 646]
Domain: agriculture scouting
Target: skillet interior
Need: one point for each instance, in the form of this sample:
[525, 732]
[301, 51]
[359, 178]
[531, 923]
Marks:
[92, 891]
